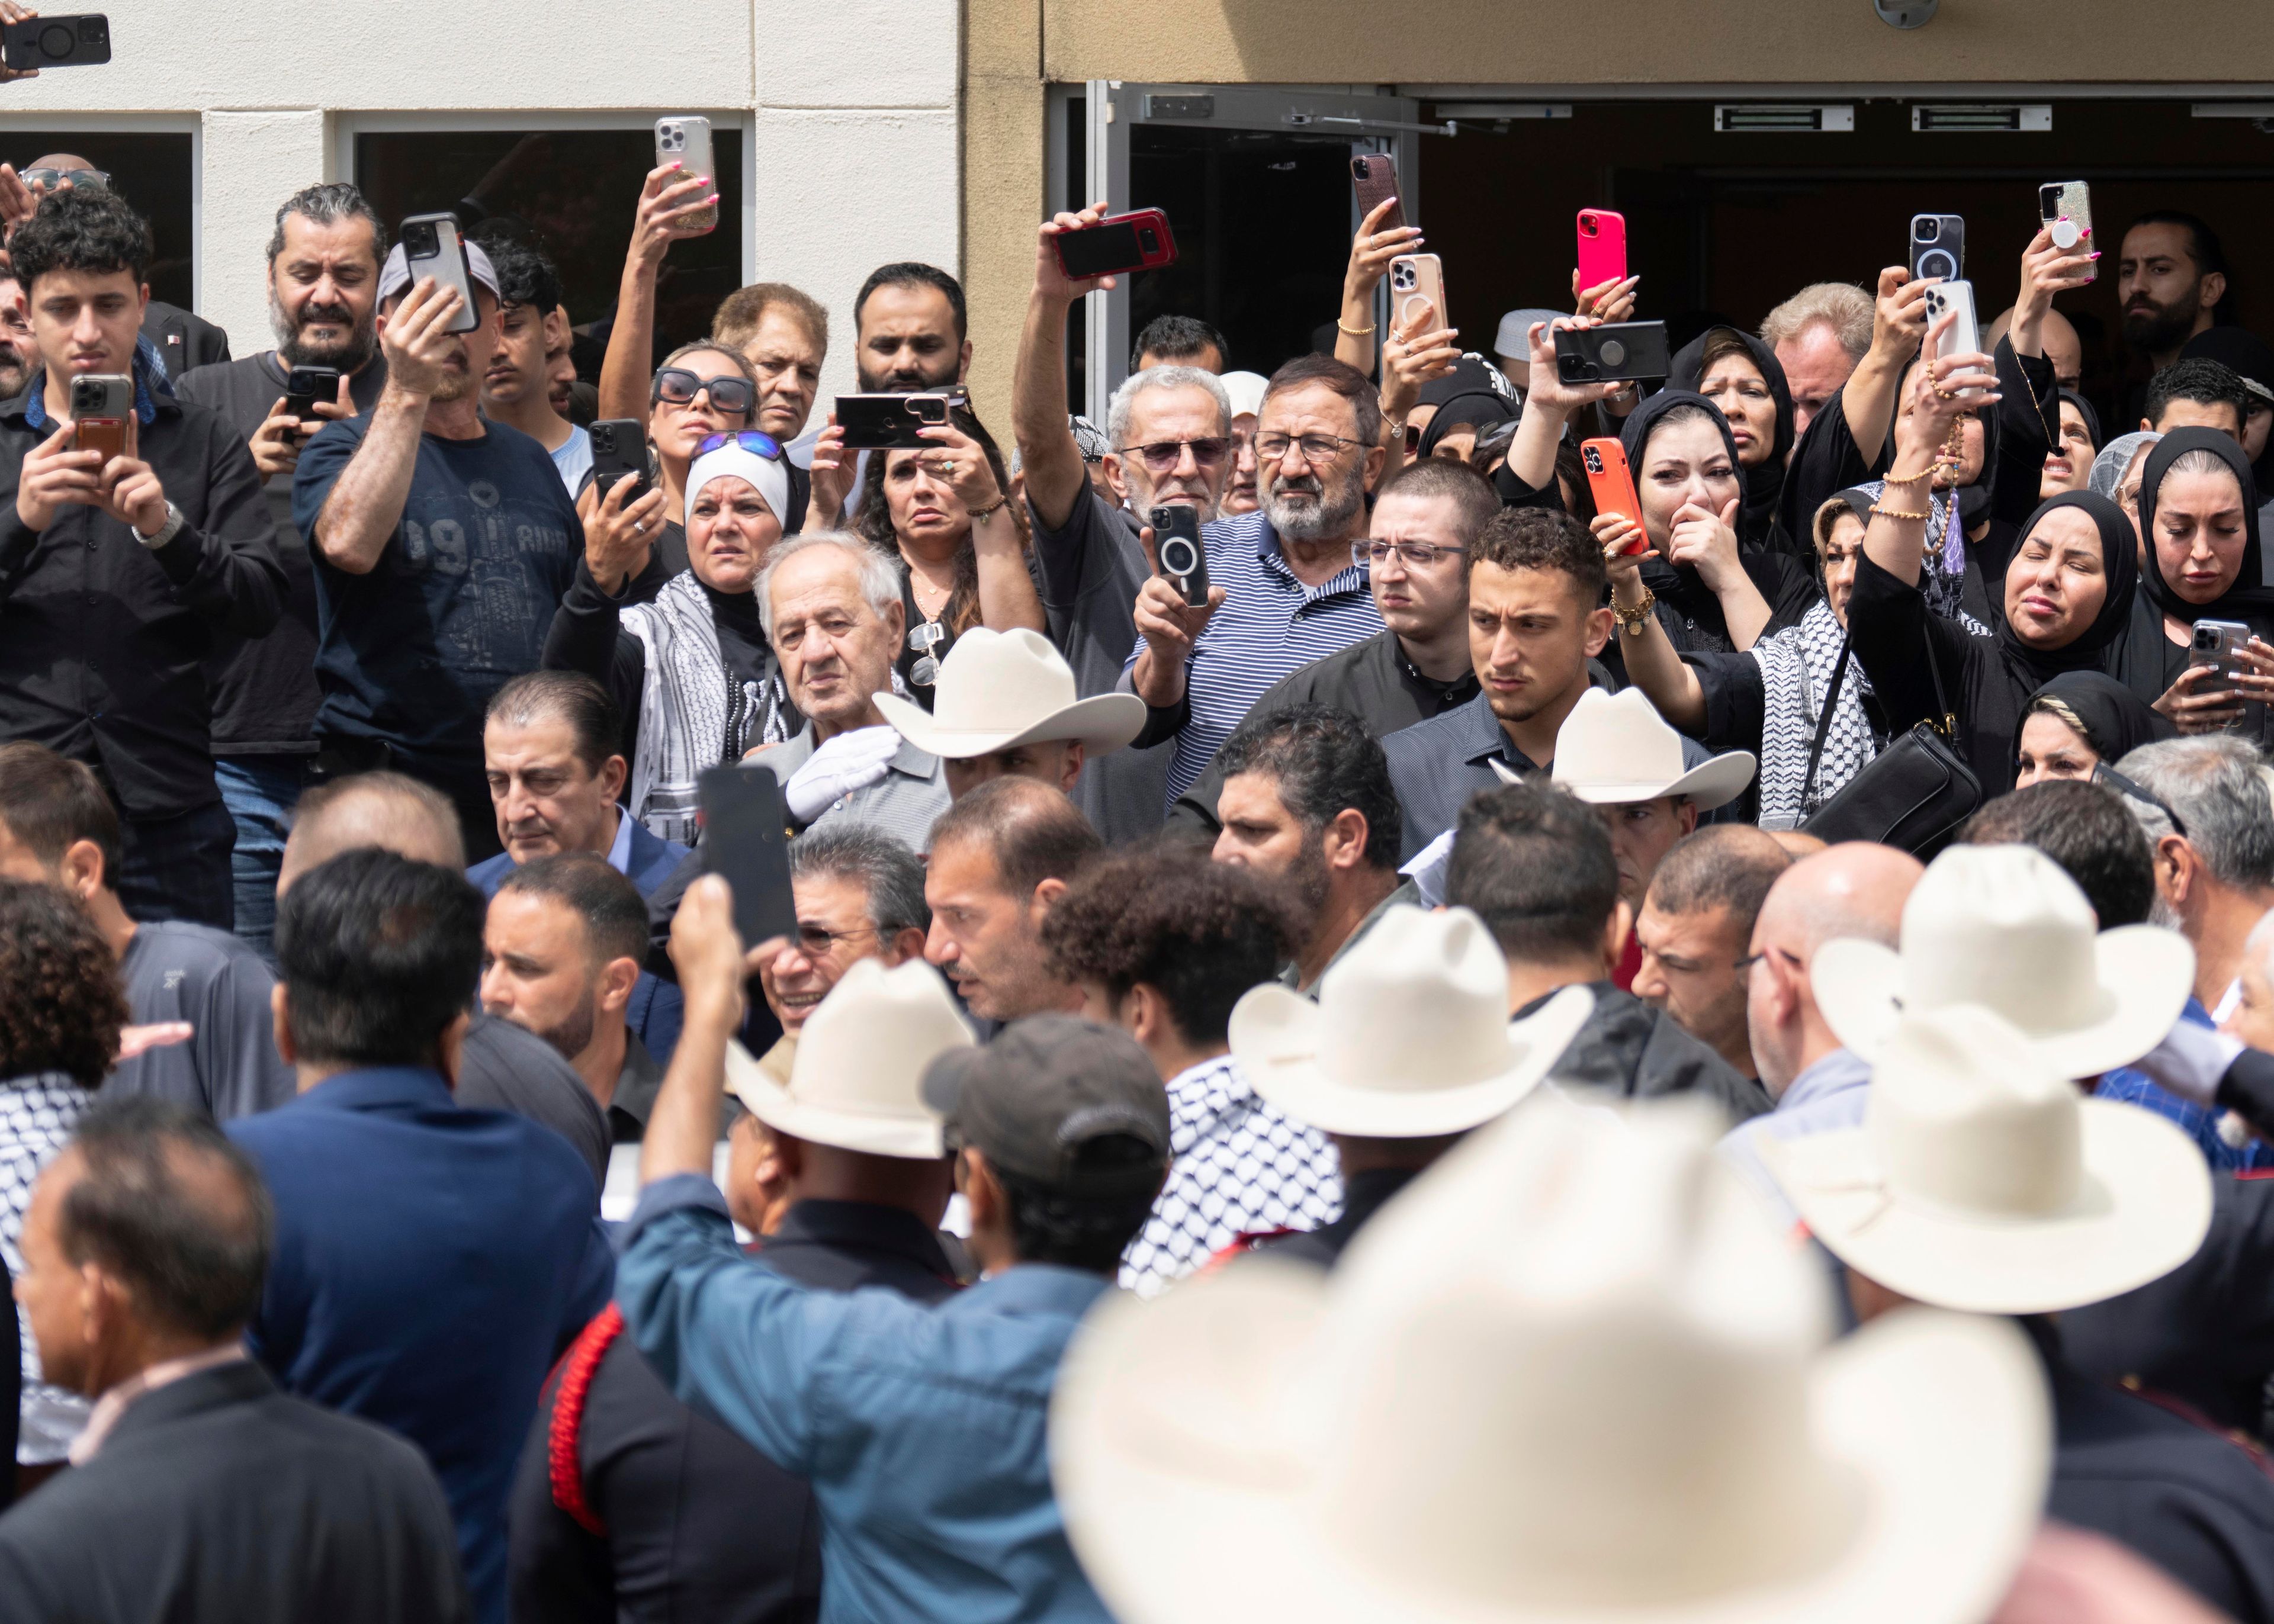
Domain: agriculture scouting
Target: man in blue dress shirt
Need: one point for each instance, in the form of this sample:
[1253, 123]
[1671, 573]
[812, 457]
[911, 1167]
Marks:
[431, 1262]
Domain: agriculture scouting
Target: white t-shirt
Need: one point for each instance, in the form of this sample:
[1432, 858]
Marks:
[574, 459]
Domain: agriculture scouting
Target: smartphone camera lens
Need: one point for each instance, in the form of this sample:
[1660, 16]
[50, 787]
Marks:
[1149, 239]
[420, 242]
[1924, 230]
[93, 30]
[1594, 461]
[1587, 226]
[1363, 167]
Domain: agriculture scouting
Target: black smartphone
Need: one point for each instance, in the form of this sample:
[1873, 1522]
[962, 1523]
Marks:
[1937, 247]
[1614, 353]
[619, 447]
[1183, 559]
[746, 841]
[891, 422]
[79, 41]
[304, 385]
[431, 245]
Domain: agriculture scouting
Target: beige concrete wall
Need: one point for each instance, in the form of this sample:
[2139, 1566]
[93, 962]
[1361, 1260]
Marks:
[1013, 49]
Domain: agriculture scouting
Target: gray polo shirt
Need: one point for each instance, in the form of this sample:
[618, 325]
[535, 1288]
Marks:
[904, 803]
[229, 1067]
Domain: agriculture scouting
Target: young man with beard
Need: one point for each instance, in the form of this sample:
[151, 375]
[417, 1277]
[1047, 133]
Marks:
[1292, 592]
[533, 323]
[910, 332]
[1168, 445]
[323, 289]
[443, 546]
[1307, 797]
[2170, 280]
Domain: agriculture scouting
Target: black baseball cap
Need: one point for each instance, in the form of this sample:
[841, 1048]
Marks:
[1048, 1088]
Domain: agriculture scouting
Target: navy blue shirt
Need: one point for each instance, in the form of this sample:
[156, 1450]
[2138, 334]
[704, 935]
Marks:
[459, 603]
[431, 1263]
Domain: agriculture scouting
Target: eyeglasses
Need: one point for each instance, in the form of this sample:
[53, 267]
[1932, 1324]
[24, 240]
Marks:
[2108, 777]
[1316, 448]
[1164, 455]
[1418, 554]
[51, 179]
[676, 385]
[815, 941]
[751, 439]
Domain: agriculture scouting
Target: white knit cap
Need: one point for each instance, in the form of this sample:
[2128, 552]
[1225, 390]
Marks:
[766, 475]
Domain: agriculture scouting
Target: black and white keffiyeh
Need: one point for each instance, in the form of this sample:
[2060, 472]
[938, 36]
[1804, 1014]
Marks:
[37, 1116]
[1797, 665]
[1240, 1166]
[692, 716]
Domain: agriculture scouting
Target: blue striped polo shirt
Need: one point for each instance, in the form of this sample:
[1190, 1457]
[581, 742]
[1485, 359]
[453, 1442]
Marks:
[1270, 626]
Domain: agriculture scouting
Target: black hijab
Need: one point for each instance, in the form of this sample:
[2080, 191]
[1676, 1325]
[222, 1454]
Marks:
[2120, 565]
[2083, 409]
[2116, 721]
[1762, 485]
[2245, 598]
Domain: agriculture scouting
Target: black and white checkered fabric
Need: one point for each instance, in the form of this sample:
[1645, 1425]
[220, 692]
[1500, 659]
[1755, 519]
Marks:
[37, 1114]
[1240, 1166]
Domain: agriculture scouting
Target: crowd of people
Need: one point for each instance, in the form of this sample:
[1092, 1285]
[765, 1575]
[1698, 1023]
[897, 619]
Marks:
[1457, 1074]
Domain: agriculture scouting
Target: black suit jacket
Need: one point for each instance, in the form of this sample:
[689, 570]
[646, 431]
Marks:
[219, 1497]
[184, 339]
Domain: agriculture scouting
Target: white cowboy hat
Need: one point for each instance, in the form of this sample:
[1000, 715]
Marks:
[2005, 926]
[997, 689]
[861, 1059]
[1573, 1373]
[1410, 1037]
[1245, 392]
[1616, 747]
[1982, 1180]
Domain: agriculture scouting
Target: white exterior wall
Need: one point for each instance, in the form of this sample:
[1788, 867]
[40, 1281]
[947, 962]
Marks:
[848, 111]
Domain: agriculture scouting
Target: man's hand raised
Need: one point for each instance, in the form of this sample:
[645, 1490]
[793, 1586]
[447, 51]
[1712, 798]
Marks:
[1050, 280]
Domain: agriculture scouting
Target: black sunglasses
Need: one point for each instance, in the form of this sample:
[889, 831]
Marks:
[2108, 777]
[678, 386]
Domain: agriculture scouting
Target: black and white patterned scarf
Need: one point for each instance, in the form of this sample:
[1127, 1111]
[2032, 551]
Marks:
[37, 1116]
[1240, 1166]
[1797, 665]
[692, 716]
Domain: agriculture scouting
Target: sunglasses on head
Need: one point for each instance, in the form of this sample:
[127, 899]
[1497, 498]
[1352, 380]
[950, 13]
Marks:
[676, 386]
[751, 439]
[51, 178]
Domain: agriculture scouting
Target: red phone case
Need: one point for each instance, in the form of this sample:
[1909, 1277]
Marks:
[1141, 223]
[1603, 251]
[1612, 484]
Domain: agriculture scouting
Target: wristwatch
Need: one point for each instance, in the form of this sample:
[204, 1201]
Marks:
[167, 531]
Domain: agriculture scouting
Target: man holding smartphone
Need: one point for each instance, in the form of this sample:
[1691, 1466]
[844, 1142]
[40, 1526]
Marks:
[323, 296]
[114, 576]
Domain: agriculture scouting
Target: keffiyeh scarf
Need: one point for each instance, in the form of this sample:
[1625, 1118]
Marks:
[692, 715]
[1797, 665]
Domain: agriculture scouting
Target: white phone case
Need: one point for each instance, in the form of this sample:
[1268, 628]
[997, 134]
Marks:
[1965, 334]
[686, 139]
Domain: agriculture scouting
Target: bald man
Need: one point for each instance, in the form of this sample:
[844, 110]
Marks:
[2062, 346]
[1854, 889]
[501, 1067]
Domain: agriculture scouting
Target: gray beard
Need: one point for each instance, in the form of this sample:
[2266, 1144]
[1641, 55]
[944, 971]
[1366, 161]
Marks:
[1332, 515]
[348, 356]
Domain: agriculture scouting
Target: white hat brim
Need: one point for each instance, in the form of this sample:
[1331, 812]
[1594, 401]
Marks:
[915, 1137]
[2143, 1211]
[1940, 1422]
[2145, 974]
[1275, 1038]
[1708, 784]
[1099, 725]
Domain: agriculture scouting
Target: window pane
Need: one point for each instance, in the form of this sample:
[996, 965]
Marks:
[575, 191]
[151, 171]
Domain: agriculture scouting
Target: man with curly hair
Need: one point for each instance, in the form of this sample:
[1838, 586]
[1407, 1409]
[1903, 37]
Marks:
[61, 1010]
[1161, 944]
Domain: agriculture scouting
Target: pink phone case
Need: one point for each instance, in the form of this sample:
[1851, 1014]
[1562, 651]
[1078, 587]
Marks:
[1602, 251]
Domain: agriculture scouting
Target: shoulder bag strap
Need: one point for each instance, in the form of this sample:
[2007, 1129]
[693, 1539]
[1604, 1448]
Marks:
[1945, 720]
[1823, 725]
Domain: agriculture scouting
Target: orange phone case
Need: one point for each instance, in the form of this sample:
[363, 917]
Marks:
[1416, 279]
[1611, 485]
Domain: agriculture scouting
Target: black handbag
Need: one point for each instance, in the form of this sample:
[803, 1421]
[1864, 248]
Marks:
[1914, 794]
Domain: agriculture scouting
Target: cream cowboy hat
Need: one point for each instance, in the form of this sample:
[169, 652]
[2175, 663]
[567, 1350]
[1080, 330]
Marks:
[1574, 1373]
[1982, 1180]
[997, 689]
[1616, 747]
[1410, 1037]
[2005, 926]
[860, 1058]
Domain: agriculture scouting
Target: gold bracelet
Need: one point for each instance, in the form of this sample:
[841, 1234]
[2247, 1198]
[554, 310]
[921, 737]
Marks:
[1365, 331]
[1631, 620]
[1878, 512]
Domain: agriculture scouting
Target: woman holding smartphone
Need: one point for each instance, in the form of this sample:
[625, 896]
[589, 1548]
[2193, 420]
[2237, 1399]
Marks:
[945, 513]
[1742, 377]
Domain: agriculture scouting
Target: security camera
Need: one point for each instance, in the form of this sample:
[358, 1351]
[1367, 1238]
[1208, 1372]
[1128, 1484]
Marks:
[1906, 13]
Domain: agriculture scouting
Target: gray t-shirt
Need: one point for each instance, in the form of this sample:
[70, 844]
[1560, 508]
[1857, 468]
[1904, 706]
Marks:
[230, 1067]
[1088, 575]
[506, 1068]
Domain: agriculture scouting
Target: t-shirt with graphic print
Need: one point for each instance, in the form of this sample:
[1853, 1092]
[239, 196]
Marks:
[410, 654]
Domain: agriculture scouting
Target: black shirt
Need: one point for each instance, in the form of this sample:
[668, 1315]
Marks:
[700, 1524]
[264, 688]
[1374, 680]
[1364, 1194]
[102, 639]
[1636, 1050]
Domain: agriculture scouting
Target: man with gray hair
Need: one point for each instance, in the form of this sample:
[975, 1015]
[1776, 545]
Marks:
[1819, 334]
[831, 608]
[2210, 823]
[323, 297]
[1168, 445]
[860, 894]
